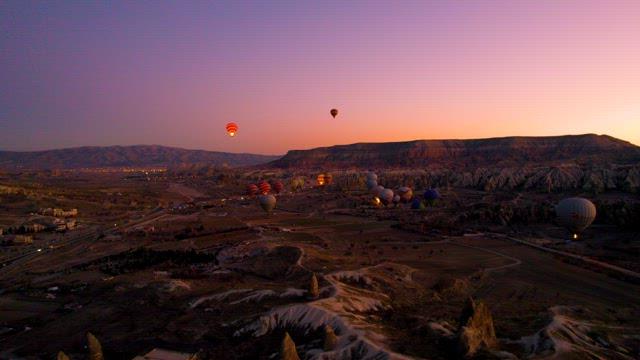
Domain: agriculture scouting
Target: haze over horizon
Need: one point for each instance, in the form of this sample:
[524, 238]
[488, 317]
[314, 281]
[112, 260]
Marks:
[174, 74]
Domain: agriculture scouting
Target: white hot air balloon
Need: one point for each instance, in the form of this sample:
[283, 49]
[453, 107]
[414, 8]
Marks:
[396, 199]
[386, 196]
[575, 214]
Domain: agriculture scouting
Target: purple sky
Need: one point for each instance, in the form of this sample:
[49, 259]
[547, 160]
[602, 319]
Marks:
[174, 73]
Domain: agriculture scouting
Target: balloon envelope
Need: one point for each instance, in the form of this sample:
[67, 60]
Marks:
[371, 175]
[334, 113]
[321, 180]
[267, 202]
[371, 184]
[431, 194]
[396, 199]
[277, 187]
[264, 187]
[386, 196]
[575, 214]
[252, 189]
[378, 191]
[405, 193]
[232, 129]
[417, 204]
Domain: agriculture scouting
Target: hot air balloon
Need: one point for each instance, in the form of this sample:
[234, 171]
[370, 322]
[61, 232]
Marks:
[264, 187]
[417, 204]
[575, 214]
[378, 191]
[386, 196]
[297, 183]
[372, 176]
[267, 202]
[252, 189]
[334, 113]
[371, 184]
[396, 199]
[328, 179]
[405, 194]
[431, 195]
[232, 129]
[277, 186]
[375, 201]
[321, 180]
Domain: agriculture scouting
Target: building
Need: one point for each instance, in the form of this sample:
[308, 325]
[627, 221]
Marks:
[161, 354]
[57, 212]
[34, 227]
[23, 239]
[65, 213]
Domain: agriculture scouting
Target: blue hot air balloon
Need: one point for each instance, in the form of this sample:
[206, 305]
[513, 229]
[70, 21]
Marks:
[416, 204]
[431, 195]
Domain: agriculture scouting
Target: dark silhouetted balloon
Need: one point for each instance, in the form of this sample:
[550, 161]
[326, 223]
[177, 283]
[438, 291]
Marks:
[417, 204]
[575, 214]
[371, 184]
[328, 179]
[277, 186]
[267, 202]
[232, 129]
[431, 195]
[405, 194]
[334, 113]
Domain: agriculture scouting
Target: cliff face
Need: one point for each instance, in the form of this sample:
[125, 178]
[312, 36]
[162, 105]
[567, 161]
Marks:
[508, 151]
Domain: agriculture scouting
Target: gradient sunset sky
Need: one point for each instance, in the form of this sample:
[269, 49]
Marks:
[174, 73]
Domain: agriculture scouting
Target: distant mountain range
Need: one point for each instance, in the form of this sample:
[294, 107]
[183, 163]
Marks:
[123, 156]
[505, 151]
[494, 152]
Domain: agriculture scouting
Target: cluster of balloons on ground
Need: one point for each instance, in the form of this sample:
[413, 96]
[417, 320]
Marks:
[575, 214]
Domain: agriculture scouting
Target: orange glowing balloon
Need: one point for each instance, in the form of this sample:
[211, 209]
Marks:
[232, 129]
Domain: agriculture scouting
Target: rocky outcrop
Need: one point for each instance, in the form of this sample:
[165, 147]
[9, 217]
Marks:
[95, 348]
[476, 330]
[314, 291]
[62, 356]
[330, 338]
[288, 350]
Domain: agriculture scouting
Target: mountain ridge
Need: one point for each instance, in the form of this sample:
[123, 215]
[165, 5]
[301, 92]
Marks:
[122, 156]
[510, 150]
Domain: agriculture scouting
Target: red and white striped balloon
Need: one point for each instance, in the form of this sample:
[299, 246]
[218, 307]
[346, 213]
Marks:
[264, 187]
[232, 129]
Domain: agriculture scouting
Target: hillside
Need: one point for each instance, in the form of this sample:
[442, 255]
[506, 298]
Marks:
[116, 156]
[506, 151]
